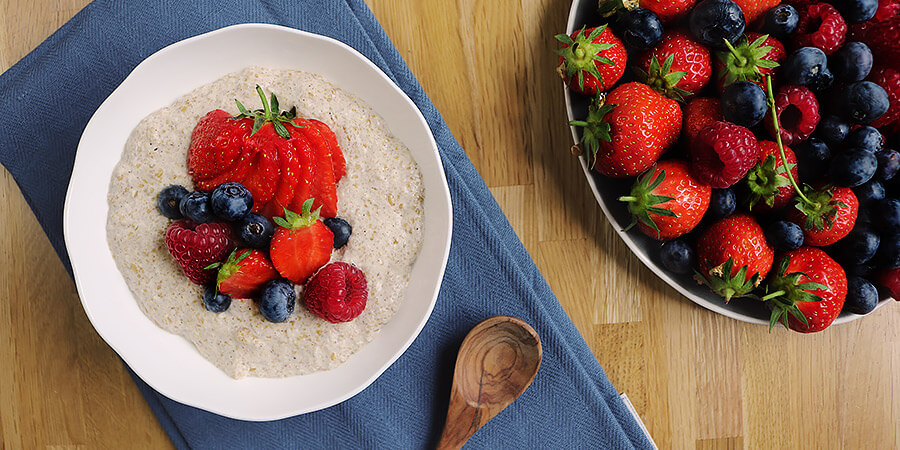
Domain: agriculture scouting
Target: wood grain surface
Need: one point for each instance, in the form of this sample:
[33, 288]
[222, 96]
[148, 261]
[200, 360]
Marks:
[698, 379]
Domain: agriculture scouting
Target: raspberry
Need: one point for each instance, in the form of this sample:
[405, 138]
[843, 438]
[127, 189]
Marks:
[882, 37]
[822, 26]
[337, 292]
[196, 246]
[699, 113]
[723, 153]
[798, 114]
[889, 79]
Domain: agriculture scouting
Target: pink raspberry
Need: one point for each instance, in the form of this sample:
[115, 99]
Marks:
[337, 292]
[822, 26]
[723, 153]
[798, 114]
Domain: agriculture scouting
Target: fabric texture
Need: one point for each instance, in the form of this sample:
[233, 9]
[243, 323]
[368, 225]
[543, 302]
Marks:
[570, 404]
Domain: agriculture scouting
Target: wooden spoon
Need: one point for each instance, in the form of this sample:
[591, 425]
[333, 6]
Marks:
[497, 361]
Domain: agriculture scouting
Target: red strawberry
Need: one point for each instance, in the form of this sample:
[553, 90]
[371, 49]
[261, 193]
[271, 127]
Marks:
[301, 244]
[591, 60]
[216, 147]
[754, 9]
[808, 291]
[734, 256]
[625, 136]
[667, 202]
[822, 26]
[699, 113]
[195, 247]
[890, 280]
[678, 67]
[669, 10]
[798, 114]
[828, 217]
[882, 37]
[768, 182]
[889, 79]
[244, 273]
[337, 292]
[723, 153]
[753, 57]
[323, 186]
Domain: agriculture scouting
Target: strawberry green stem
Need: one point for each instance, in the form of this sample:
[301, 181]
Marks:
[773, 295]
[741, 60]
[770, 99]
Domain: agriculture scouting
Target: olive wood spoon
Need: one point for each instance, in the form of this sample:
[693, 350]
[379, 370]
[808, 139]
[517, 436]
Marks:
[497, 361]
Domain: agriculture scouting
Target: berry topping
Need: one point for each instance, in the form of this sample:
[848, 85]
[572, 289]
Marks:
[591, 60]
[215, 301]
[301, 244]
[337, 292]
[196, 246]
[169, 201]
[852, 62]
[744, 103]
[713, 22]
[798, 114]
[677, 256]
[862, 102]
[781, 21]
[341, 230]
[195, 206]
[244, 273]
[231, 201]
[723, 153]
[276, 300]
[784, 236]
[642, 29]
[256, 231]
[820, 26]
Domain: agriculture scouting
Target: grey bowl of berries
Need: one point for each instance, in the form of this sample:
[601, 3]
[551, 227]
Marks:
[745, 151]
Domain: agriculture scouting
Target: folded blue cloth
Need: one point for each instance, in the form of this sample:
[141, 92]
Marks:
[571, 404]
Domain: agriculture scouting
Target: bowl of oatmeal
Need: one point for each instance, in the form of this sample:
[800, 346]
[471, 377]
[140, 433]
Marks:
[235, 363]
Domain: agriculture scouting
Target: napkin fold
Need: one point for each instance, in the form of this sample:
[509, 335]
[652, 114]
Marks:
[570, 404]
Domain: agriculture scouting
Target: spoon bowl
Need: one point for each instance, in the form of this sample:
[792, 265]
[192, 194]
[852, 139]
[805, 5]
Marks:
[497, 361]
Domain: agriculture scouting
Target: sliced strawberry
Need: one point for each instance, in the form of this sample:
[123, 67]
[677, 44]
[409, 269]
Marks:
[216, 145]
[301, 245]
[324, 186]
[307, 159]
[244, 273]
[337, 155]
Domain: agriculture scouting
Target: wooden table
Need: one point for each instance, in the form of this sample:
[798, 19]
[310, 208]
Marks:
[698, 379]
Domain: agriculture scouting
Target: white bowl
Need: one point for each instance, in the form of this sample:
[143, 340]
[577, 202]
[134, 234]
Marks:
[607, 190]
[171, 364]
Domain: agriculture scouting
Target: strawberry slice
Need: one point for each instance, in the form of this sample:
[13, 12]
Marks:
[337, 155]
[301, 244]
[324, 187]
[306, 157]
[216, 145]
[244, 273]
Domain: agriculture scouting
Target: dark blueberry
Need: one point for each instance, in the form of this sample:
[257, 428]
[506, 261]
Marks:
[713, 22]
[722, 203]
[781, 21]
[888, 256]
[642, 29]
[256, 231]
[276, 301]
[856, 11]
[859, 270]
[214, 300]
[341, 230]
[862, 102]
[869, 192]
[852, 169]
[808, 66]
[231, 201]
[813, 159]
[677, 256]
[888, 164]
[862, 297]
[784, 236]
[865, 214]
[195, 206]
[865, 138]
[887, 216]
[832, 130]
[744, 103]
[852, 62]
[859, 246]
[169, 199]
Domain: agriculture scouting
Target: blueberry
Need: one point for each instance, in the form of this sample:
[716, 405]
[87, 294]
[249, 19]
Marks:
[677, 256]
[888, 256]
[781, 21]
[859, 246]
[865, 138]
[642, 29]
[784, 236]
[869, 192]
[862, 102]
[852, 169]
[808, 66]
[256, 231]
[722, 203]
[195, 206]
[744, 103]
[832, 130]
[852, 62]
[859, 270]
[888, 164]
[341, 230]
[887, 216]
[856, 11]
[214, 300]
[862, 297]
[276, 301]
[231, 201]
[813, 159]
[713, 22]
[168, 200]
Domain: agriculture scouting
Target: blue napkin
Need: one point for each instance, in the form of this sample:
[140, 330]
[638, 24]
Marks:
[570, 403]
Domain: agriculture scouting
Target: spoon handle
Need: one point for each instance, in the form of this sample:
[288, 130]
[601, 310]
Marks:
[463, 420]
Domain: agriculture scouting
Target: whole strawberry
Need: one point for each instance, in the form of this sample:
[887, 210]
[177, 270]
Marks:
[753, 57]
[733, 256]
[722, 154]
[244, 273]
[699, 113]
[667, 202]
[889, 79]
[678, 67]
[301, 244]
[627, 134]
[591, 60]
[195, 247]
[827, 216]
[802, 115]
[337, 292]
[754, 9]
[768, 183]
[821, 26]
[807, 292]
